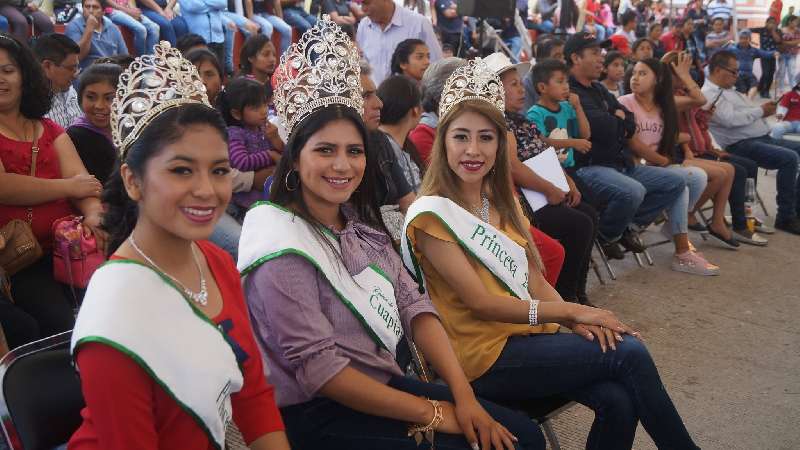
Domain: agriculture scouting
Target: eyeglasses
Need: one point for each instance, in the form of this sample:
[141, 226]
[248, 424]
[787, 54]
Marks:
[730, 71]
[76, 69]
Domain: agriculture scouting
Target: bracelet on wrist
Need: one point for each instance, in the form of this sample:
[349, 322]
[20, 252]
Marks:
[533, 313]
[427, 431]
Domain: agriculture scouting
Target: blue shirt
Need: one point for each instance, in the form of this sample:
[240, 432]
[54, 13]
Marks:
[547, 121]
[448, 25]
[106, 42]
[745, 56]
[204, 17]
[378, 44]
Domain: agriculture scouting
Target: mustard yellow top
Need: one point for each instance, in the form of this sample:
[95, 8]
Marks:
[477, 342]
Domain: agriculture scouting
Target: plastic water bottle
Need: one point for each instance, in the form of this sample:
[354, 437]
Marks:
[749, 201]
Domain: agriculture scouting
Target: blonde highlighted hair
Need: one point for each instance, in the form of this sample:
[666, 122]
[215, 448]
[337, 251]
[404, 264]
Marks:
[497, 184]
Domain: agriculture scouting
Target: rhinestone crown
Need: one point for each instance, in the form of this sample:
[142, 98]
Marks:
[473, 81]
[151, 85]
[320, 70]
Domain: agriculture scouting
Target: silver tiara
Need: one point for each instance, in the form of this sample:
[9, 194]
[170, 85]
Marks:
[320, 70]
[473, 81]
[151, 85]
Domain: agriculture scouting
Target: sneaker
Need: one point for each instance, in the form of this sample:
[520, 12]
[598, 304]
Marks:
[761, 227]
[748, 237]
[612, 250]
[631, 242]
[693, 263]
[789, 226]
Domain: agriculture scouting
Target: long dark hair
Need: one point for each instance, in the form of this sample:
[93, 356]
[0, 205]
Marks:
[664, 98]
[36, 95]
[364, 201]
[402, 52]
[399, 95]
[251, 47]
[168, 127]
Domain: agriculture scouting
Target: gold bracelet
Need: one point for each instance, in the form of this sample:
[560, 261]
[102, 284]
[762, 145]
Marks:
[427, 431]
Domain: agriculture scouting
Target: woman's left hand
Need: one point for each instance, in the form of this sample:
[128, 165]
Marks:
[92, 227]
[604, 336]
[480, 429]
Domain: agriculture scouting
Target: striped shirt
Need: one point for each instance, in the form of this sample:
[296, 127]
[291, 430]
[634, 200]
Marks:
[65, 108]
[719, 8]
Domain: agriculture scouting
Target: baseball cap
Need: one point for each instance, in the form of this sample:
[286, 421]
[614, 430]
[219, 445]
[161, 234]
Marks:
[500, 63]
[582, 40]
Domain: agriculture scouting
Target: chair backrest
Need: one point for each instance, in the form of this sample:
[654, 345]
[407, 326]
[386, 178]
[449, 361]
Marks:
[40, 395]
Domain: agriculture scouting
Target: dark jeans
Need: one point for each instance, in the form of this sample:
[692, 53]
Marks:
[456, 40]
[775, 154]
[622, 386]
[170, 30]
[745, 81]
[298, 18]
[575, 228]
[324, 423]
[744, 168]
[767, 74]
[40, 296]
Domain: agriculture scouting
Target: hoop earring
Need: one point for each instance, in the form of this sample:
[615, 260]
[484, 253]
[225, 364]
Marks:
[286, 181]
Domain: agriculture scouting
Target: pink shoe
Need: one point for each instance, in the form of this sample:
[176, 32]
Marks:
[693, 263]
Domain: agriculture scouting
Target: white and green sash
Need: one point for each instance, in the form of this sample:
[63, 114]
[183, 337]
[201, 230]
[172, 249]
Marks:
[270, 231]
[139, 312]
[503, 257]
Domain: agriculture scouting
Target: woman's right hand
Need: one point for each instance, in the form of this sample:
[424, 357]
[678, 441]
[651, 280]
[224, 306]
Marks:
[84, 185]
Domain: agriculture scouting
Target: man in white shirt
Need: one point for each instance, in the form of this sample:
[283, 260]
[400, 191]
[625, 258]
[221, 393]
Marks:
[740, 126]
[58, 56]
[385, 26]
[720, 8]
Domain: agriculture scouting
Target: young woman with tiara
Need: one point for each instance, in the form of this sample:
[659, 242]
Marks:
[163, 343]
[329, 296]
[468, 244]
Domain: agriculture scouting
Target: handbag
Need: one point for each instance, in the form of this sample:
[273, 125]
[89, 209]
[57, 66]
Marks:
[18, 245]
[75, 256]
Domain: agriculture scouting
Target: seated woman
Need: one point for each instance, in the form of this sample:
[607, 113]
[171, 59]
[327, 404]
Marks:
[167, 290]
[469, 246]
[411, 58]
[91, 132]
[42, 180]
[693, 121]
[312, 282]
[423, 137]
[210, 71]
[656, 140]
[720, 174]
[400, 113]
[566, 218]
[257, 59]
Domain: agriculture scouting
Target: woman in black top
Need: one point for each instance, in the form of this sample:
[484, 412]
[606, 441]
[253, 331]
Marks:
[91, 132]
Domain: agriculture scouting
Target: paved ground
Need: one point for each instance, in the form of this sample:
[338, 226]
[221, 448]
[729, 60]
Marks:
[727, 347]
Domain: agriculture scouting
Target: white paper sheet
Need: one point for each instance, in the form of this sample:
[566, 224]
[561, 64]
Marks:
[547, 166]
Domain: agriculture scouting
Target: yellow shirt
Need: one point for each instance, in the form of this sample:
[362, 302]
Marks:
[477, 342]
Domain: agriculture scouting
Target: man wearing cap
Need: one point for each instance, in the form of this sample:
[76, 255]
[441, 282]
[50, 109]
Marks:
[632, 193]
[746, 54]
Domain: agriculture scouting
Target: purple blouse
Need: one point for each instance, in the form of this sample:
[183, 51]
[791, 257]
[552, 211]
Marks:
[306, 334]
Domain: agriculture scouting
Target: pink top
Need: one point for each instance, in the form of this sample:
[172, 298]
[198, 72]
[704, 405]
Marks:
[789, 35]
[649, 125]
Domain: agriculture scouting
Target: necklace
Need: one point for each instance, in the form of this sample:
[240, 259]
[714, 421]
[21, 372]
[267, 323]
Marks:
[197, 297]
[482, 211]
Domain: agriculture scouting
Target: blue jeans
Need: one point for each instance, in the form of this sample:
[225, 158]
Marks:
[774, 154]
[781, 128]
[678, 213]
[324, 423]
[3, 24]
[268, 23]
[298, 18]
[145, 33]
[226, 235]
[171, 30]
[515, 45]
[622, 386]
[637, 194]
[786, 71]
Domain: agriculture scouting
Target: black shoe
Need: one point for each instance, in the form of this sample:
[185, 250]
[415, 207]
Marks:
[612, 250]
[699, 227]
[789, 226]
[631, 242]
[727, 243]
[765, 95]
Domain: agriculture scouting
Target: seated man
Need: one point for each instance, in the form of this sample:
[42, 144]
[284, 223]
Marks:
[95, 34]
[296, 16]
[633, 193]
[740, 126]
[58, 56]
